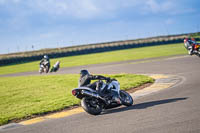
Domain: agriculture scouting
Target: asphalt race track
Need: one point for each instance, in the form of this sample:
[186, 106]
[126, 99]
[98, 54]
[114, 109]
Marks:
[173, 110]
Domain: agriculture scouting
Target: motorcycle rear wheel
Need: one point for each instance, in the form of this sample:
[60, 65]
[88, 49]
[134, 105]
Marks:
[126, 99]
[91, 105]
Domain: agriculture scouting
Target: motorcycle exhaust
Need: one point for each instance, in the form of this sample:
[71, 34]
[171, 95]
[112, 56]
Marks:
[84, 92]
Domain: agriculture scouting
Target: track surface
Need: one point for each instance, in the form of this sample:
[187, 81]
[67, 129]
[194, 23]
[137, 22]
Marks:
[176, 109]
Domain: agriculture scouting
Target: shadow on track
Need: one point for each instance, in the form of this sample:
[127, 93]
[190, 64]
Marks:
[144, 105]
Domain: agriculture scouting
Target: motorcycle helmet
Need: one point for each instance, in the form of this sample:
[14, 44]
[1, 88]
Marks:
[185, 40]
[193, 39]
[84, 72]
[46, 57]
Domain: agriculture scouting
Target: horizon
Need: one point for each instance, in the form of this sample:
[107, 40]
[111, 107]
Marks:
[27, 25]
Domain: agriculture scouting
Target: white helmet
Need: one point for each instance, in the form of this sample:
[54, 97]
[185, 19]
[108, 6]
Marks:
[46, 57]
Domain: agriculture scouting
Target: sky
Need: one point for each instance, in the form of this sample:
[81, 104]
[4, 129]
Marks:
[37, 24]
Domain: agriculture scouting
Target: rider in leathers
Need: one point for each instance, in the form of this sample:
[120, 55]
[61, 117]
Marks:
[190, 43]
[45, 59]
[85, 80]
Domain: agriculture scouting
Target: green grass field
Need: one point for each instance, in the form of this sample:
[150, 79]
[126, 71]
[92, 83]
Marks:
[114, 56]
[22, 97]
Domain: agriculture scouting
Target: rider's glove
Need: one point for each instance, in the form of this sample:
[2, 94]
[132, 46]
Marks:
[108, 79]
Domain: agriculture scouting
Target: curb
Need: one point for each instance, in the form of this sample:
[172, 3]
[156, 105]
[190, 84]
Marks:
[162, 82]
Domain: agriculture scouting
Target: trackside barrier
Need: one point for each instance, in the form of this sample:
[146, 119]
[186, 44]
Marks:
[89, 50]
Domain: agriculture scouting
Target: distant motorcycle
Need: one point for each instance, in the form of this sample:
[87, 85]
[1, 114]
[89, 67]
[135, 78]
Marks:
[93, 103]
[190, 44]
[55, 67]
[44, 67]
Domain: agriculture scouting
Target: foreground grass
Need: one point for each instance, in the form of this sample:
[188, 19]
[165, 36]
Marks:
[114, 56]
[21, 97]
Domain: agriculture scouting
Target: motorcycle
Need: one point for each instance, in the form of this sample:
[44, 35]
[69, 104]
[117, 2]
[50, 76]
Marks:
[112, 97]
[44, 67]
[55, 67]
[196, 48]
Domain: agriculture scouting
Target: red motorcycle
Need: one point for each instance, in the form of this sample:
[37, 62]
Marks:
[192, 46]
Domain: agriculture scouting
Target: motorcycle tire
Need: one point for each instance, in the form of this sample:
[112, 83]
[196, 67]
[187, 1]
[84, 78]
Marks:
[40, 70]
[91, 109]
[46, 70]
[126, 99]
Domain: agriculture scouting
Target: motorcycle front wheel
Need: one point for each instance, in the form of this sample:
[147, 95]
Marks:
[40, 70]
[91, 105]
[126, 99]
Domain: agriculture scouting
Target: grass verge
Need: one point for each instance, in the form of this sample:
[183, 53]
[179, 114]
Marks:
[114, 56]
[23, 97]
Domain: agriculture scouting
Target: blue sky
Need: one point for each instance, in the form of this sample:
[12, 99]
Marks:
[60, 23]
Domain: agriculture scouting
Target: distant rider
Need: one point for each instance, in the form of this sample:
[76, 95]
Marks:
[85, 80]
[190, 44]
[45, 61]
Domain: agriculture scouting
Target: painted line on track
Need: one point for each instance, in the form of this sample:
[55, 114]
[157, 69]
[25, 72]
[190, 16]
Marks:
[53, 116]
